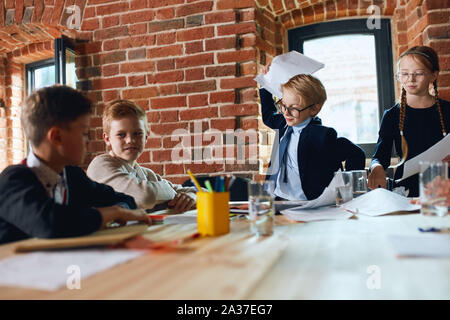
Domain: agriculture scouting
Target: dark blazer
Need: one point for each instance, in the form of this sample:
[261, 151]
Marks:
[320, 151]
[27, 211]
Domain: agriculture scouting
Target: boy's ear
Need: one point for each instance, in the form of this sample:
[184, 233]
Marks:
[316, 109]
[54, 136]
[106, 139]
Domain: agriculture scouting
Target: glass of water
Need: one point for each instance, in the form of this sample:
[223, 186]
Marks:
[434, 187]
[359, 182]
[261, 207]
[344, 190]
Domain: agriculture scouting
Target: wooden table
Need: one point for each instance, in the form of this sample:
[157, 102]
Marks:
[315, 260]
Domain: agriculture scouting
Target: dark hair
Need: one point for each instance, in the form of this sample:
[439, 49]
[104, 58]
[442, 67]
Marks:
[429, 58]
[57, 105]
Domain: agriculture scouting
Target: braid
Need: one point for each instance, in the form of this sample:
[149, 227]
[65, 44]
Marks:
[401, 126]
[441, 117]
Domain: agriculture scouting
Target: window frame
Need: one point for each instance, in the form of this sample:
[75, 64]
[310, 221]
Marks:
[30, 68]
[383, 54]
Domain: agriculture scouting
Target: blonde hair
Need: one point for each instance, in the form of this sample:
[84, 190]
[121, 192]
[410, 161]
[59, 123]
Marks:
[119, 109]
[309, 88]
[429, 58]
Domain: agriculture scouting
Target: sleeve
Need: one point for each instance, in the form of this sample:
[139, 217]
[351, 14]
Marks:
[268, 110]
[146, 193]
[349, 152]
[25, 204]
[383, 149]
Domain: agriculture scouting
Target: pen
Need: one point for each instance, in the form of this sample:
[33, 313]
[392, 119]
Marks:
[443, 230]
[217, 184]
[194, 180]
[208, 186]
[222, 184]
[230, 183]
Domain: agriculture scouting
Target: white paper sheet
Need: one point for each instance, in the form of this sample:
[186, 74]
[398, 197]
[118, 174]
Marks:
[429, 245]
[48, 270]
[324, 213]
[437, 152]
[379, 202]
[283, 68]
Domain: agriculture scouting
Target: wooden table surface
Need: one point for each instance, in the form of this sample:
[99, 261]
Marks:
[315, 260]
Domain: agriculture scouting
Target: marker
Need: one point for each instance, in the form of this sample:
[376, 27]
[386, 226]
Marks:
[208, 186]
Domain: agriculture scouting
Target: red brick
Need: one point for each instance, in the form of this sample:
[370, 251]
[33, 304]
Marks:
[171, 168]
[240, 28]
[198, 100]
[232, 4]
[198, 113]
[239, 110]
[111, 33]
[165, 38]
[195, 34]
[167, 64]
[223, 124]
[110, 21]
[141, 66]
[167, 90]
[111, 57]
[193, 8]
[200, 86]
[220, 17]
[242, 82]
[153, 143]
[205, 168]
[169, 102]
[165, 13]
[136, 29]
[170, 76]
[139, 16]
[236, 56]
[153, 117]
[193, 47]
[90, 24]
[109, 83]
[220, 43]
[136, 81]
[138, 41]
[110, 95]
[221, 71]
[173, 50]
[195, 74]
[165, 25]
[167, 128]
[169, 116]
[109, 45]
[144, 157]
[221, 96]
[112, 8]
[110, 70]
[139, 93]
[136, 54]
[195, 60]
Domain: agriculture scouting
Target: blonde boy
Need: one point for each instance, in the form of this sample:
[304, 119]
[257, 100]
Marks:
[125, 132]
[48, 196]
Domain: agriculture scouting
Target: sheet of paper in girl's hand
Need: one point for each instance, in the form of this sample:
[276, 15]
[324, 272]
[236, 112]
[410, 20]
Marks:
[284, 67]
[436, 152]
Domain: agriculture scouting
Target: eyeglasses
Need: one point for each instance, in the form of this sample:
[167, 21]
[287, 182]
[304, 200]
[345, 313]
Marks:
[293, 112]
[404, 76]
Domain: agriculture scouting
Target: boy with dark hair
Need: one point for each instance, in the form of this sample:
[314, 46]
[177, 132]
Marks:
[48, 196]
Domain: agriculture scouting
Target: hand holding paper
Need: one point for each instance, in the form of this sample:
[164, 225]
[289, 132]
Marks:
[283, 68]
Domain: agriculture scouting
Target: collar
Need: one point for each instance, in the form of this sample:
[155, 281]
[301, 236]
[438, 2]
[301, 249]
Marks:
[47, 176]
[299, 127]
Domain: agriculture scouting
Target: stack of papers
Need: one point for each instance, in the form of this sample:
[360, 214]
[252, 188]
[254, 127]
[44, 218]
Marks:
[379, 202]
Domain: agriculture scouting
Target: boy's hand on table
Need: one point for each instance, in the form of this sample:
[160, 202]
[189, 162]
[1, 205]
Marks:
[377, 177]
[182, 202]
[122, 215]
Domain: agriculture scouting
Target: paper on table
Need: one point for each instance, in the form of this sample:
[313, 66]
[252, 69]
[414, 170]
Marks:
[324, 213]
[283, 68]
[430, 245]
[436, 152]
[378, 202]
[50, 270]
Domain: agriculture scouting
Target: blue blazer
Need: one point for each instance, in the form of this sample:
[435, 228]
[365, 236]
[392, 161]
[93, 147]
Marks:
[320, 151]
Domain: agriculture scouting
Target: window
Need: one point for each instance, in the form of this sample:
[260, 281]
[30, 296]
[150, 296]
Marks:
[60, 69]
[358, 75]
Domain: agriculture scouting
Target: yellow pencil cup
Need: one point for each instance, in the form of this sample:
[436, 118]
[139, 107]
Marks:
[213, 213]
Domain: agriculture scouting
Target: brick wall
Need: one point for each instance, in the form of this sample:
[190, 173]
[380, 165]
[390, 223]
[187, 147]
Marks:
[188, 63]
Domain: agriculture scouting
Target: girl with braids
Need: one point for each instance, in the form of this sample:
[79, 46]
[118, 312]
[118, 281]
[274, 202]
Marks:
[419, 121]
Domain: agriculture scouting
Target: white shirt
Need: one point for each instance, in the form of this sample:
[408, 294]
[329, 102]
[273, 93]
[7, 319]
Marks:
[55, 184]
[292, 189]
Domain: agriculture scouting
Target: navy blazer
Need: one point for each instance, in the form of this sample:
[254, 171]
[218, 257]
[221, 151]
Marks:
[26, 210]
[320, 151]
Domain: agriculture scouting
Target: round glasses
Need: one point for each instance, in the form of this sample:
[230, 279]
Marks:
[404, 76]
[293, 112]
